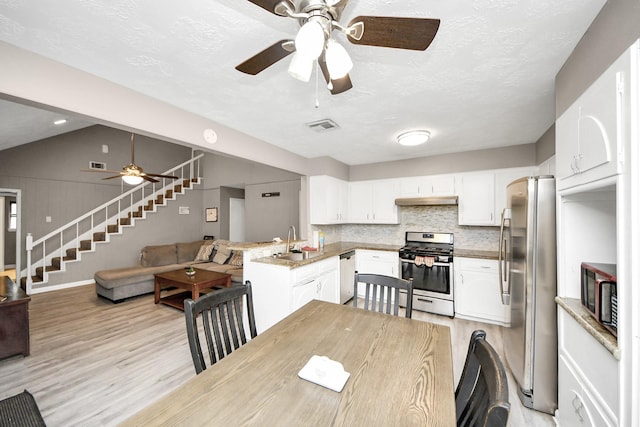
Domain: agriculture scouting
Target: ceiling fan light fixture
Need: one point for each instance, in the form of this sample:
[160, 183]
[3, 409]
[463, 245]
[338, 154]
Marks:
[301, 67]
[414, 137]
[132, 179]
[338, 61]
[310, 40]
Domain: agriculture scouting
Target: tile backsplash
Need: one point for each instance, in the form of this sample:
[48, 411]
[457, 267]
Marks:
[416, 218]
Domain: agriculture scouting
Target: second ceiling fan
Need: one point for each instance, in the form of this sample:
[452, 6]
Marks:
[314, 41]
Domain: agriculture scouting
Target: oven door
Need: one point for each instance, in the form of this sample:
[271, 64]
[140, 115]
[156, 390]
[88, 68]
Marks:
[435, 281]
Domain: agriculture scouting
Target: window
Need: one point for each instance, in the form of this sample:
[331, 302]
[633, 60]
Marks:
[13, 216]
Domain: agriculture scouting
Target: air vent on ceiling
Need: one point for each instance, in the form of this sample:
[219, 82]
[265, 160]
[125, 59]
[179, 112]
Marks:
[98, 165]
[323, 125]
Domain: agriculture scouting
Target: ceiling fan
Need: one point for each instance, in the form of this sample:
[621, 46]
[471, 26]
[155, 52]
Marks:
[318, 19]
[133, 174]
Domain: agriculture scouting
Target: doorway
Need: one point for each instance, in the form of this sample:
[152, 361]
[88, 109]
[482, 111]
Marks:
[10, 239]
[236, 220]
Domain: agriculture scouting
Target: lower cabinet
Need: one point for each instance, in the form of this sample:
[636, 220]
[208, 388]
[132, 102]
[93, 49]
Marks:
[279, 290]
[476, 291]
[376, 262]
[587, 377]
[577, 405]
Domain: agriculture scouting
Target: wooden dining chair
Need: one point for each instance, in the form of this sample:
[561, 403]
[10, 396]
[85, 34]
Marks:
[482, 395]
[221, 314]
[382, 293]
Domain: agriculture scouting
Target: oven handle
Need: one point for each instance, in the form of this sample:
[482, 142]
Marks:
[503, 275]
[439, 264]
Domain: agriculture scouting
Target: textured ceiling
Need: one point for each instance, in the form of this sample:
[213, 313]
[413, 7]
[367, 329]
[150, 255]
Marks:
[486, 81]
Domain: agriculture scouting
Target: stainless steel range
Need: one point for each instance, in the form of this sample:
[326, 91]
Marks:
[427, 258]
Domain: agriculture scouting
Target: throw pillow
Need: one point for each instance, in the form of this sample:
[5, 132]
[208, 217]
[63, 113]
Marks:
[222, 255]
[204, 253]
[236, 258]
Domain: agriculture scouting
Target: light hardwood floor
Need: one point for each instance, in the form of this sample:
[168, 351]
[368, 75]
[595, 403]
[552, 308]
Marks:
[96, 363]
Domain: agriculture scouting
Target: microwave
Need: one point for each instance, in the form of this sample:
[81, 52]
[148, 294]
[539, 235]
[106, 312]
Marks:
[599, 293]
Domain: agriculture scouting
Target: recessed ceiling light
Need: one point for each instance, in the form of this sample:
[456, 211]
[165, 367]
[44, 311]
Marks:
[414, 137]
[60, 122]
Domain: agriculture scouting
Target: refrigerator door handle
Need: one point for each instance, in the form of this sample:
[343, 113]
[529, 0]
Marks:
[503, 274]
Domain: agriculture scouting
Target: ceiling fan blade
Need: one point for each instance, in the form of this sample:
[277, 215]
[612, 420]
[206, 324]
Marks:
[148, 178]
[400, 33]
[265, 59]
[99, 170]
[338, 86]
[270, 5]
[161, 176]
[111, 177]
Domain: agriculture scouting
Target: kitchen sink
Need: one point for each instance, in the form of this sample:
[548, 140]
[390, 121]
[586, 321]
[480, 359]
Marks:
[299, 256]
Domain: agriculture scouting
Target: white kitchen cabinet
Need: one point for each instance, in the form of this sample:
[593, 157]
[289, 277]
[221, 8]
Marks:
[476, 291]
[377, 262]
[279, 290]
[476, 202]
[427, 186]
[587, 377]
[589, 132]
[373, 202]
[328, 200]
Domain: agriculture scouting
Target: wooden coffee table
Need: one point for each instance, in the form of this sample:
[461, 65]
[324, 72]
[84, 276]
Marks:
[203, 279]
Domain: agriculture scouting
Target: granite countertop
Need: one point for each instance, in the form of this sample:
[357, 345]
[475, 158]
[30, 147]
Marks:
[475, 253]
[331, 250]
[584, 319]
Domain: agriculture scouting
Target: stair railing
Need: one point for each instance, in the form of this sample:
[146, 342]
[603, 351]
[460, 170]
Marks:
[129, 204]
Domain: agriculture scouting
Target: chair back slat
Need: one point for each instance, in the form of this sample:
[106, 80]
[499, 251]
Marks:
[382, 293]
[482, 395]
[221, 313]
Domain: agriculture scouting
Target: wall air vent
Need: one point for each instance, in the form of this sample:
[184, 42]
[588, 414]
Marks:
[98, 165]
[323, 125]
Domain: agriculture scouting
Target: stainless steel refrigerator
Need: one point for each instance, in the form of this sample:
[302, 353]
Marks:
[527, 263]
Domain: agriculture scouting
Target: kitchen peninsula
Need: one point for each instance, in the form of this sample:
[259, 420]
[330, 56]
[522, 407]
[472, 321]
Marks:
[282, 285]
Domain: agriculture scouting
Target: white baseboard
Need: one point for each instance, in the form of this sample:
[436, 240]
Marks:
[61, 286]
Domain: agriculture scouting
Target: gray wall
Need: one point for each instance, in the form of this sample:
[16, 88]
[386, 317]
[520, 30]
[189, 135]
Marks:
[507, 157]
[49, 173]
[615, 28]
[269, 217]
[226, 177]
[546, 145]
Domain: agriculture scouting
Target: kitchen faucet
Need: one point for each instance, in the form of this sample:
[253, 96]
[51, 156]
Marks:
[289, 237]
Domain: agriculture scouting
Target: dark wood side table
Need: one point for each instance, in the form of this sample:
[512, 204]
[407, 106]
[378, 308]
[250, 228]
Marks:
[14, 319]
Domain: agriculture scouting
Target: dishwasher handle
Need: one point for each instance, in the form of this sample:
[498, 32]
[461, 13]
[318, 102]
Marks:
[347, 255]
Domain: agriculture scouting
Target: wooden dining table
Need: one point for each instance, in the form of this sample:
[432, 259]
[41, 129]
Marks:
[400, 369]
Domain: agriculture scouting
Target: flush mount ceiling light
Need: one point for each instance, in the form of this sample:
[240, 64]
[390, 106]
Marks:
[60, 122]
[414, 137]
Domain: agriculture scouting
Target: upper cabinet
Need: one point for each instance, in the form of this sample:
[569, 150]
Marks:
[427, 186]
[476, 194]
[483, 196]
[588, 133]
[373, 202]
[328, 200]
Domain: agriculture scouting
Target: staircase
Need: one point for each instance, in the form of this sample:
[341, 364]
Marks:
[49, 254]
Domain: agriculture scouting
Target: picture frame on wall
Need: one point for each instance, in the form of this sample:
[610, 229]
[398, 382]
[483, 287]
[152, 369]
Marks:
[211, 214]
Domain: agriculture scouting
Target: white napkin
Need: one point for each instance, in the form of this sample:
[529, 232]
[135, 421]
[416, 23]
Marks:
[325, 372]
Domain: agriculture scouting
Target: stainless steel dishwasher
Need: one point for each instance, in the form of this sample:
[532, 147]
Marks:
[347, 271]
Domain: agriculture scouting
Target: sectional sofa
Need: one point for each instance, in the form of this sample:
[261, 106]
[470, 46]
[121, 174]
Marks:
[214, 255]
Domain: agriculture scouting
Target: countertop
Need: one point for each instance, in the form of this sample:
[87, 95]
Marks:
[475, 253]
[331, 250]
[337, 249]
[584, 319]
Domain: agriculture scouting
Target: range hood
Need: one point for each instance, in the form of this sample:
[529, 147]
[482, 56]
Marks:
[427, 201]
